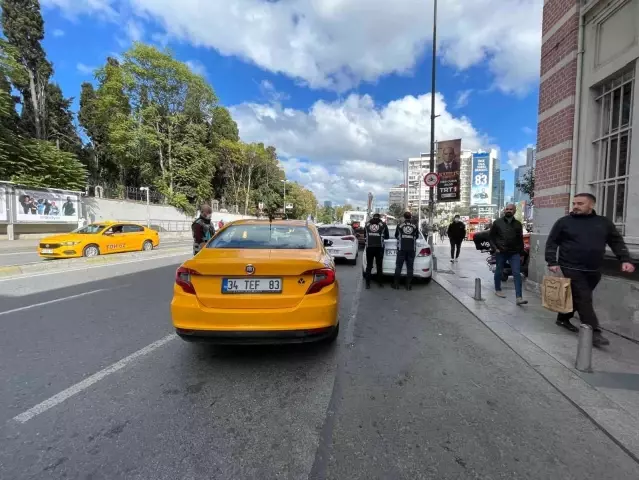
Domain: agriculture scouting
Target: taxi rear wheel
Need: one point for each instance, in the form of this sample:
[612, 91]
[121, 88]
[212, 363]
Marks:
[147, 245]
[91, 251]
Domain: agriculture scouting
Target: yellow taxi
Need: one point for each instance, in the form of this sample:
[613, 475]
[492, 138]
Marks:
[98, 239]
[258, 282]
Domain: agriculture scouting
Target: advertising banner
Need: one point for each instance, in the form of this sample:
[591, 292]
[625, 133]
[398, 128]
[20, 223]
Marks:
[38, 206]
[4, 216]
[481, 183]
[448, 166]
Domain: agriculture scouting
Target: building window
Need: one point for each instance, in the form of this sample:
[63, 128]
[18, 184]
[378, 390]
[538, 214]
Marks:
[612, 147]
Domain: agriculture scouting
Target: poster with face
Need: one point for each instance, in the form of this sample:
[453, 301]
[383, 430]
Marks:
[448, 167]
[38, 206]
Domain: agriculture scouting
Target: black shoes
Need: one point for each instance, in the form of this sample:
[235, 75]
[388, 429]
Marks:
[567, 325]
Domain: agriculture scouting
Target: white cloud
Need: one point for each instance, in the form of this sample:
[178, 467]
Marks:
[85, 69]
[528, 130]
[74, 8]
[57, 33]
[338, 43]
[517, 159]
[353, 143]
[462, 98]
[197, 67]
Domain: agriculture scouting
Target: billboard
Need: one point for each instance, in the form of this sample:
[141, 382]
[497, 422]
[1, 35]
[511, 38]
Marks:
[4, 215]
[41, 206]
[448, 166]
[481, 181]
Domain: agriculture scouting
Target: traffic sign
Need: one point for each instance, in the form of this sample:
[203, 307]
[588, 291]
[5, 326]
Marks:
[431, 179]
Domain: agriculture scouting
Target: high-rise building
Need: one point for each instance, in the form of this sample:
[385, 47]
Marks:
[328, 204]
[531, 157]
[502, 194]
[520, 173]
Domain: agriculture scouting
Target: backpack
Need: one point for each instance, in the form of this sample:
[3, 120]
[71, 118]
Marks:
[206, 228]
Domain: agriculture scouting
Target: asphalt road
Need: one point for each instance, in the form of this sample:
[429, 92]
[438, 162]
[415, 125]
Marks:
[93, 385]
[22, 255]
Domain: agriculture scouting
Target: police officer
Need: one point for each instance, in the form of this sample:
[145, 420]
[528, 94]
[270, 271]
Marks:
[376, 233]
[406, 235]
[202, 228]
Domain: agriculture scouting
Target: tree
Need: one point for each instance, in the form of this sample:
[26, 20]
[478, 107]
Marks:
[303, 200]
[396, 210]
[326, 215]
[339, 211]
[60, 126]
[526, 184]
[23, 27]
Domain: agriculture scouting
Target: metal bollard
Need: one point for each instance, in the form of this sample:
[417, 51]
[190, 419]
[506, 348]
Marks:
[477, 289]
[584, 349]
[434, 260]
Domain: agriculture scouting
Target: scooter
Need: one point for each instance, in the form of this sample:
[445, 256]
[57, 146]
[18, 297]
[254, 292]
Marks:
[482, 244]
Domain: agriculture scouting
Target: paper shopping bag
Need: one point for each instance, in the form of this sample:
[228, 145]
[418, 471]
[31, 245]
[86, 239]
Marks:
[556, 294]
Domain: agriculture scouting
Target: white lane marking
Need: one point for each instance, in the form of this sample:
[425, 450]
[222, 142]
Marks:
[88, 382]
[114, 264]
[62, 299]
[18, 253]
[350, 328]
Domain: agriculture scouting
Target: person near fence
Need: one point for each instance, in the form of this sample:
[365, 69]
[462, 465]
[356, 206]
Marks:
[202, 228]
[581, 240]
[507, 238]
[456, 235]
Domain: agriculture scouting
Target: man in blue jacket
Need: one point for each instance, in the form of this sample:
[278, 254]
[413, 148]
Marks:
[581, 239]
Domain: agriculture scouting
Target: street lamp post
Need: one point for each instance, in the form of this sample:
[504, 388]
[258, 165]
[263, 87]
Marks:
[148, 206]
[431, 193]
[285, 213]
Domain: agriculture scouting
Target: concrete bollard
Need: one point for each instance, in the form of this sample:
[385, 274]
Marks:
[584, 349]
[477, 289]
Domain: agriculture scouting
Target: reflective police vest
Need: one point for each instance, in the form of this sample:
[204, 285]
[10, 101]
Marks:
[375, 235]
[407, 240]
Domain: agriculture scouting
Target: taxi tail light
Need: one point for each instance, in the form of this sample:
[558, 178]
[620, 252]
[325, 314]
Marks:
[322, 277]
[350, 237]
[183, 279]
[424, 252]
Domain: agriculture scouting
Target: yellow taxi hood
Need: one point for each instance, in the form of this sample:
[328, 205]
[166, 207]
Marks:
[66, 237]
[222, 261]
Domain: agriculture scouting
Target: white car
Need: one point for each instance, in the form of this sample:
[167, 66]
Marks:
[423, 266]
[344, 241]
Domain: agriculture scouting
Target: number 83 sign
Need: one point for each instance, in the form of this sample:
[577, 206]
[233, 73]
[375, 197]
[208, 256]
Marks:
[481, 179]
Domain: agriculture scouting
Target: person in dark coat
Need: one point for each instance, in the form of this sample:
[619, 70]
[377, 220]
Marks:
[456, 235]
[581, 240]
[202, 229]
[507, 238]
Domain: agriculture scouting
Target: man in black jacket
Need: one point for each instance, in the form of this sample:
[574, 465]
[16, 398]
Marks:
[376, 233]
[581, 238]
[456, 234]
[507, 238]
[202, 229]
[406, 234]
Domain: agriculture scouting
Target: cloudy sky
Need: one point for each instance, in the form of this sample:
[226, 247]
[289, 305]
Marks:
[340, 87]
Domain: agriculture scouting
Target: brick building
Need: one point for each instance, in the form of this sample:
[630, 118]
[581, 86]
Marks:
[587, 105]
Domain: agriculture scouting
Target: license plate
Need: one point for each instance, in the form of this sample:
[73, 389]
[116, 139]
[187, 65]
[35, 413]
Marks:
[47, 251]
[391, 253]
[332, 251]
[252, 285]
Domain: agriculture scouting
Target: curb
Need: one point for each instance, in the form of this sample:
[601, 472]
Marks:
[61, 264]
[617, 423]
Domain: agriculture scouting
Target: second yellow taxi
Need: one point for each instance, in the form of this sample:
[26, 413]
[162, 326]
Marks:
[98, 239]
[257, 282]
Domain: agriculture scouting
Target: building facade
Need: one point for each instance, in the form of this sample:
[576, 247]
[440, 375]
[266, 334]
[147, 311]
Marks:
[396, 195]
[587, 111]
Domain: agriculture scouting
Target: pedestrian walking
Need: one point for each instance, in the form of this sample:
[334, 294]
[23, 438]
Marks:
[376, 232]
[507, 238]
[456, 235]
[406, 235]
[202, 228]
[581, 240]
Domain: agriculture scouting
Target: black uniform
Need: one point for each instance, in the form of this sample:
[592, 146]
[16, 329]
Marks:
[203, 230]
[406, 235]
[376, 232]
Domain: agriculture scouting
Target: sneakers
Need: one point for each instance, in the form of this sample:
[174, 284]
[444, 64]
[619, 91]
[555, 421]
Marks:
[521, 301]
[500, 294]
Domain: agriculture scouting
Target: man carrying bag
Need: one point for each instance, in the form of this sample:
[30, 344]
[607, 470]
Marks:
[581, 239]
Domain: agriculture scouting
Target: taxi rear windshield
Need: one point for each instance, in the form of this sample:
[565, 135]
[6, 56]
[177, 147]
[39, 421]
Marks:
[266, 236]
[334, 231]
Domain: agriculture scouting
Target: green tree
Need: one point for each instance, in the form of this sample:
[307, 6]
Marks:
[526, 184]
[339, 211]
[23, 27]
[303, 200]
[60, 121]
[396, 210]
[326, 215]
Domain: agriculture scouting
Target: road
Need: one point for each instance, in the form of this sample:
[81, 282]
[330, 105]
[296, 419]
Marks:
[94, 385]
[23, 255]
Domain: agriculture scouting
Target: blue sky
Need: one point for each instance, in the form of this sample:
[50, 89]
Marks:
[340, 87]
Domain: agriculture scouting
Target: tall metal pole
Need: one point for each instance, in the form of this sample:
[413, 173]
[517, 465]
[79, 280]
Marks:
[431, 193]
[407, 184]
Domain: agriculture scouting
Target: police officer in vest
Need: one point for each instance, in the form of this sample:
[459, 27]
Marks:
[406, 235]
[376, 233]
[202, 228]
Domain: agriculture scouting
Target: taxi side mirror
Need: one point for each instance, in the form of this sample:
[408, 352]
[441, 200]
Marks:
[327, 242]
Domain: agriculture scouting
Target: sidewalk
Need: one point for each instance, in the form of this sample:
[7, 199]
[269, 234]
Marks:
[609, 396]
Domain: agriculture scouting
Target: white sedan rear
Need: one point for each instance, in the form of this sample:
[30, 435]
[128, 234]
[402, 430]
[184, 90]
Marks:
[344, 241]
[422, 268]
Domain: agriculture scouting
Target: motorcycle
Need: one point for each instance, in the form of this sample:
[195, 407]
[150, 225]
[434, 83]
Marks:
[482, 243]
